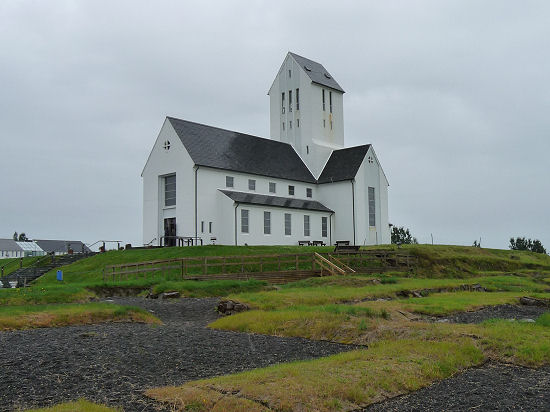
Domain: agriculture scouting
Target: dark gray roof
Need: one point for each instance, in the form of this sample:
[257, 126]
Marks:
[317, 73]
[239, 152]
[343, 164]
[9, 245]
[62, 246]
[275, 201]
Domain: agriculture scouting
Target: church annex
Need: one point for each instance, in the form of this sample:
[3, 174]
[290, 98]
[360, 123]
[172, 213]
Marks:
[301, 185]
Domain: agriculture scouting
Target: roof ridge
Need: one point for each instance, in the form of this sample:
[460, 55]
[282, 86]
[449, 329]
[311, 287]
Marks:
[227, 130]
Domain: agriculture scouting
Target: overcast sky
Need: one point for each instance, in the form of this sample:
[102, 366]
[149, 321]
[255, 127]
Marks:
[454, 96]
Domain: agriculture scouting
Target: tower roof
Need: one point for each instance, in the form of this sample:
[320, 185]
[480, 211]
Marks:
[317, 72]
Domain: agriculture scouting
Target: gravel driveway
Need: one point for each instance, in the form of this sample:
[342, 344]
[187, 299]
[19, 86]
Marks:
[113, 363]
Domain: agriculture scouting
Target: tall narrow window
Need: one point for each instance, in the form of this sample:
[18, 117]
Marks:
[330, 101]
[251, 184]
[324, 123]
[229, 181]
[307, 149]
[289, 73]
[290, 100]
[306, 225]
[297, 99]
[283, 126]
[267, 223]
[309, 192]
[324, 224]
[202, 226]
[297, 122]
[283, 102]
[323, 100]
[291, 190]
[290, 124]
[372, 207]
[272, 187]
[209, 227]
[288, 224]
[330, 124]
[244, 221]
[170, 190]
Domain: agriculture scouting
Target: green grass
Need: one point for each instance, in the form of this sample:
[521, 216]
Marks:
[43, 295]
[340, 289]
[544, 319]
[40, 316]
[12, 264]
[77, 406]
[199, 289]
[347, 381]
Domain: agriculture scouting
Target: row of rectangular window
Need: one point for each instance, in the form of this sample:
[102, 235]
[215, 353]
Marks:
[329, 100]
[230, 182]
[283, 104]
[290, 124]
[245, 226]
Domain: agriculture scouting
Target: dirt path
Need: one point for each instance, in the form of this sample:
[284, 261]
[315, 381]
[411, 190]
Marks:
[114, 363]
[492, 387]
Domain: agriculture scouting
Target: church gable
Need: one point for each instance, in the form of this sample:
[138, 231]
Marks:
[343, 164]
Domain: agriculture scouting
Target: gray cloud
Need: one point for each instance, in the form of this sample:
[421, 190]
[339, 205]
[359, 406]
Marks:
[454, 95]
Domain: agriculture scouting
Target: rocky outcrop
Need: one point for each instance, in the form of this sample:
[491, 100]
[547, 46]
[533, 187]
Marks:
[530, 301]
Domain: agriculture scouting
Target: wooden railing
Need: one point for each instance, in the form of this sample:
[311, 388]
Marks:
[204, 267]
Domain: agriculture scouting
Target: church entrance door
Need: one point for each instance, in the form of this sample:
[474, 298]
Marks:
[170, 231]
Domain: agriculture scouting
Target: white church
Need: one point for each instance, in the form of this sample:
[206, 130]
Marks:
[203, 183]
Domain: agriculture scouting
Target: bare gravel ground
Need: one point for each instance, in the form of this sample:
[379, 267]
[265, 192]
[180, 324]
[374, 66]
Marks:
[515, 312]
[113, 363]
[492, 387]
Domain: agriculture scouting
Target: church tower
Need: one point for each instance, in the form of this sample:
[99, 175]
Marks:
[306, 110]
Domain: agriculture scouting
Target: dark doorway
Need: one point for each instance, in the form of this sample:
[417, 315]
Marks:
[170, 231]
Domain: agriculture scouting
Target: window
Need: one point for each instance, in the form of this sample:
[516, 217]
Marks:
[323, 100]
[166, 145]
[324, 224]
[309, 192]
[324, 123]
[202, 226]
[372, 207]
[283, 126]
[244, 221]
[290, 124]
[297, 122]
[267, 223]
[330, 101]
[229, 181]
[306, 225]
[272, 187]
[291, 190]
[297, 99]
[289, 73]
[288, 224]
[283, 102]
[251, 184]
[209, 227]
[307, 149]
[170, 190]
[330, 124]
[290, 101]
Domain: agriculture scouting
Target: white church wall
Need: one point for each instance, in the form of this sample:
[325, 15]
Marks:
[164, 162]
[337, 196]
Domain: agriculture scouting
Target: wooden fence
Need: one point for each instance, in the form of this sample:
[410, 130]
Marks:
[275, 267]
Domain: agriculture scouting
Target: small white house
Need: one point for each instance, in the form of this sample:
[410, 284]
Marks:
[301, 185]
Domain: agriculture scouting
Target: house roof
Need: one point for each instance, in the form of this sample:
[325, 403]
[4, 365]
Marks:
[275, 201]
[224, 149]
[317, 72]
[62, 246]
[343, 164]
[9, 245]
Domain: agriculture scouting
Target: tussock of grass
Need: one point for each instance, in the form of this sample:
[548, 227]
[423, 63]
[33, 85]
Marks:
[44, 295]
[341, 382]
[45, 316]
[77, 406]
[544, 319]
[199, 289]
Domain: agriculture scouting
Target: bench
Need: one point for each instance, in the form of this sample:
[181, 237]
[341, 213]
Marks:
[342, 243]
[304, 243]
[318, 243]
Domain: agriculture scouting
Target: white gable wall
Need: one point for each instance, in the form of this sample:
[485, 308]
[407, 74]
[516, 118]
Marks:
[163, 162]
